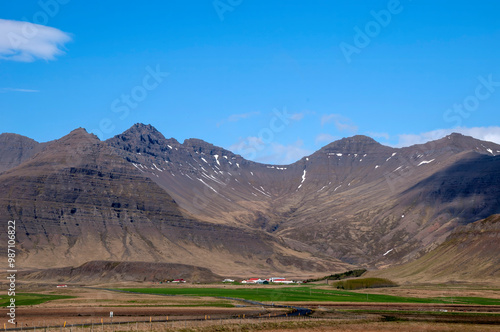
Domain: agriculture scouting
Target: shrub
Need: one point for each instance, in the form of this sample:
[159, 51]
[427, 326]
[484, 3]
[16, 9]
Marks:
[364, 283]
[340, 276]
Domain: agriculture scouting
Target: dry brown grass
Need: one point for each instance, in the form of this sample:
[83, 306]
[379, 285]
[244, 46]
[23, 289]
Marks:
[237, 325]
[430, 291]
[387, 326]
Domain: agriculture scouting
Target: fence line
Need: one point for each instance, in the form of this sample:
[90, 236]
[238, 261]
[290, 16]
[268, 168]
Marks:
[149, 324]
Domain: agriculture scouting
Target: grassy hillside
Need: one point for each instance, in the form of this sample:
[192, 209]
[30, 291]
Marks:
[471, 253]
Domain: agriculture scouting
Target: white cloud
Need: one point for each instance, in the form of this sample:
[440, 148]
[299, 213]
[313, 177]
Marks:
[26, 42]
[237, 117]
[378, 135]
[253, 148]
[280, 154]
[328, 118]
[300, 115]
[341, 123]
[491, 134]
[4, 90]
[321, 138]
[249, 143]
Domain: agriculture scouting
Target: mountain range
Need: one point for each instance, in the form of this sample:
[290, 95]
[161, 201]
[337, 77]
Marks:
[140, 197]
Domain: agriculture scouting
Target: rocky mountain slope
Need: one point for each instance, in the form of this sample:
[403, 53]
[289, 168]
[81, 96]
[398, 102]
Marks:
[354, 199]
[470, 253]
[109, 271]
[140, 196]
[78, 201]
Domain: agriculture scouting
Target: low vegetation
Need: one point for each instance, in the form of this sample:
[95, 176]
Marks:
[31, 299]
[353, 284]
[305, 294]
[340, 276]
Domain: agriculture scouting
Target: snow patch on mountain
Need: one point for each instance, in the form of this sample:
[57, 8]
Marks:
[303, 179]
[425, 162]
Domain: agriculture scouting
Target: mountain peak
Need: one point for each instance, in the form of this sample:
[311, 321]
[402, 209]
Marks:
[15, 149]
[79, 131]
[79, 134]
[362, 138]
[457, 138]
[457, 135]
[142, 138]
[197, 143]
[457, 142]
[5, 137]
[357, 139]
[354, 144]
[145, 133]
[144, 127]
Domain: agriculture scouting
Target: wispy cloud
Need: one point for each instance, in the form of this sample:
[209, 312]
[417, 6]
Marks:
[373, 134]
[4, 90]
[247, 144]
[325, 138]
[255, 149]
[26, 42]
[491, 134]
[237, 117]
[341, 122]
[297, 116]
[280, 154]
[300, 115]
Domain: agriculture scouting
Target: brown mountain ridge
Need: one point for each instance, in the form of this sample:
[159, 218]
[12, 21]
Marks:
[142, 197]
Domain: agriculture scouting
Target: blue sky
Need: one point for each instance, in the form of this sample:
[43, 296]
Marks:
[271, 80]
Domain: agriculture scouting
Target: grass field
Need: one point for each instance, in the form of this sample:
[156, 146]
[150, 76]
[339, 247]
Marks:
[306, 293]
[30, 299]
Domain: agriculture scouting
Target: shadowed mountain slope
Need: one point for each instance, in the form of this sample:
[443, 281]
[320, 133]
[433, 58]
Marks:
[470, 253]
[16, 149]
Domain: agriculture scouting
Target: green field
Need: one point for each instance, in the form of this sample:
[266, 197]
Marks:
[306, 293]
[30, 299]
